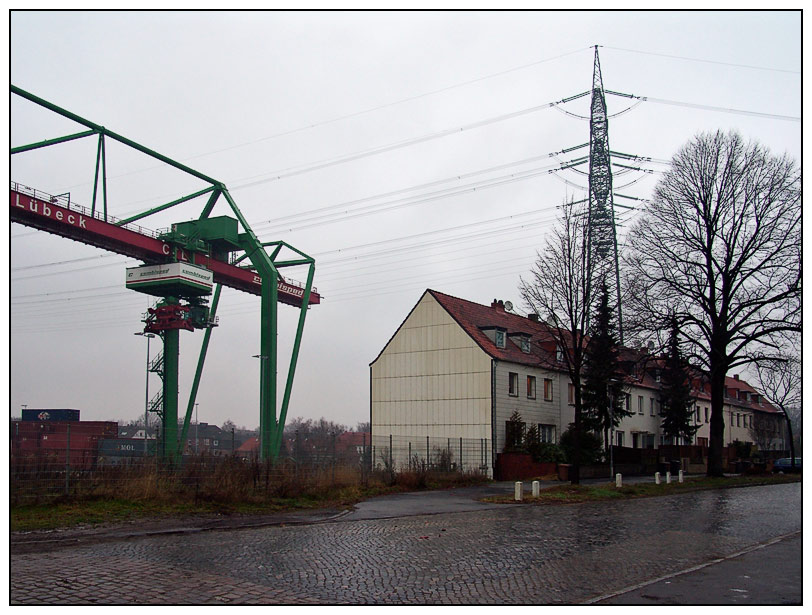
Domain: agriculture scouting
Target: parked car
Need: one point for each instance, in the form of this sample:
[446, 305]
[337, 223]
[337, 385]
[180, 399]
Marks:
[785, 465]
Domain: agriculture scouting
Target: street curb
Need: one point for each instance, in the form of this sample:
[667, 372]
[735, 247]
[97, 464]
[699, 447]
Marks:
[749, 549]
[91, 537]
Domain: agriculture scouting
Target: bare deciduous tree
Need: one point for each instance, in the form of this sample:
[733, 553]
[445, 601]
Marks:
[719, 248]
[560, 290]
[779, 379]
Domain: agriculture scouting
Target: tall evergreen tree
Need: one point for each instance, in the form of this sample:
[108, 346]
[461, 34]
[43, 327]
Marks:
[675, 391]
[603, 379]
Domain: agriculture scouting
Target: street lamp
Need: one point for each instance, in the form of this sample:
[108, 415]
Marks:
[149, 336]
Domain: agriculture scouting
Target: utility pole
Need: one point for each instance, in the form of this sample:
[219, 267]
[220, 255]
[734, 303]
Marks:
[602, 249]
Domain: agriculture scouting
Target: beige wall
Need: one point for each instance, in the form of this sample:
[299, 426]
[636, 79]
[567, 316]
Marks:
[533, 411]
[431, 380]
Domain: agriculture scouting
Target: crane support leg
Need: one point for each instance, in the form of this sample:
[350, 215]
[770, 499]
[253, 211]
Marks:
[199, 372]
[170, 418]
[267, 361]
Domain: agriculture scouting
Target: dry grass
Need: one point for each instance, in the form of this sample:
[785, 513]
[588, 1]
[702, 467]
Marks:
[204, 486]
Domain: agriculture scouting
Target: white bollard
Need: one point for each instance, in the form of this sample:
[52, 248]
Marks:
[680, 476]
[668, 478]
[535, 489]
[517, 494]
[618, 480]
[656, 478]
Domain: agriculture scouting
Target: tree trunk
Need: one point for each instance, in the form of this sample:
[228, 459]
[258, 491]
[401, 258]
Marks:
[791, 442]
[575, 468]
[717, 423]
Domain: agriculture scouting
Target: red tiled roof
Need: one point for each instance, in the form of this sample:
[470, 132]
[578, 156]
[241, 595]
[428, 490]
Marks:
[473, 317]
[353, 438]
[250, 445]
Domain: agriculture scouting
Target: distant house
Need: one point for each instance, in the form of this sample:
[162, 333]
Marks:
[203, 438]
[135, 432]
[249, 448]
[447, 382]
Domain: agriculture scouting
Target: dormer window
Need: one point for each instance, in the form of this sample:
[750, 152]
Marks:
[525, 344]
[500, 339]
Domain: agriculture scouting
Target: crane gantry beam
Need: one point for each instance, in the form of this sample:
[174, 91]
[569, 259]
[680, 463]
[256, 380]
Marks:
[48, 213]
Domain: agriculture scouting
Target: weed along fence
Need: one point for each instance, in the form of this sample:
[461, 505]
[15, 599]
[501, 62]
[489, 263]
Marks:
[435, 454]
[81, 460]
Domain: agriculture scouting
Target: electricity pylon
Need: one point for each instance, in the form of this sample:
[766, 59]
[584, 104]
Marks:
[602, 237]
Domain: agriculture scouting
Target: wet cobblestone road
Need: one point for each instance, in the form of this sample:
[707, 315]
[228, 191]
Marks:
[511, 555]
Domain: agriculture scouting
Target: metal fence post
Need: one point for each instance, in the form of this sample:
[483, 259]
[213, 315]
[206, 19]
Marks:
[460, 454]
[67, 464]
[391, 464]
[427, 452]
[334, 458]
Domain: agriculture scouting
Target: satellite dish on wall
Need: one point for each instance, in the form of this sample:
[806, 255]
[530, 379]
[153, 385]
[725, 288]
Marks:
[508, 306]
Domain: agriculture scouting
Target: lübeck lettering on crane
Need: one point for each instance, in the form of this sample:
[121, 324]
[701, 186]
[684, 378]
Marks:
[58, 213]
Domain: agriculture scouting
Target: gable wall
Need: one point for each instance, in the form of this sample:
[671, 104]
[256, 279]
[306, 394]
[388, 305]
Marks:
[431, 380]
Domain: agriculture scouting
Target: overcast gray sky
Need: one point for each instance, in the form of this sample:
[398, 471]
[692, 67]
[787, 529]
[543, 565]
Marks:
[358, 138]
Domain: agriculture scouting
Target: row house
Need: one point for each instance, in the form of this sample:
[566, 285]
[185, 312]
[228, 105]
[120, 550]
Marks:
[455, 369]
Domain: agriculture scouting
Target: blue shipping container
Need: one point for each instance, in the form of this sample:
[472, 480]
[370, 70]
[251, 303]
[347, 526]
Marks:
[50, 414]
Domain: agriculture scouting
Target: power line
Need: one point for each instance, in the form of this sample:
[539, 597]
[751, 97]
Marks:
[677, 103]
[357, 113]
[665, 55]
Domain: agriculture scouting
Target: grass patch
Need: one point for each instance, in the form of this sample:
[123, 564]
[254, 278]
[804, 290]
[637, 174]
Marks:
[572, 494]
[139, 497]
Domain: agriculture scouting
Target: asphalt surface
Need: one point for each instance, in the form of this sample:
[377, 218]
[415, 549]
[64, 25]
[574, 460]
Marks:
[437, 548]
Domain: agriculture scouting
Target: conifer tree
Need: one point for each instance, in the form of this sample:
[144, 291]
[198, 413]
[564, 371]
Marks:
[675, 391]
[603, 380]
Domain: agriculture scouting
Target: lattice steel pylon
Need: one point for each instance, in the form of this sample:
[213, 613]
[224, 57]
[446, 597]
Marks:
[602, 237]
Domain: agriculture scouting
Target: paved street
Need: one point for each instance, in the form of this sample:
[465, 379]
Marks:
[510, 554]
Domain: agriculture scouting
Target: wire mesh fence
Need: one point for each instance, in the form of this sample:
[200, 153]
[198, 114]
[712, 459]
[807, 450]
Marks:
[426, 453]
[50, 461]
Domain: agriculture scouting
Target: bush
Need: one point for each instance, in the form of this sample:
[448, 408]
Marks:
[591, 446]
[545, 452]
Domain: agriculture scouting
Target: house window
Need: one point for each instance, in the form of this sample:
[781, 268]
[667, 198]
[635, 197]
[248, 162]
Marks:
[500, 339]
[548, 389]
[738, 420]
[628, 402]
[696, 408]
[531, 387]
[547, 433]
[619, 438]
[559, 355]
[526, 344]
[640, 405]
[513, 384]
[571, 393]
[651, 406]
[706, 414]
